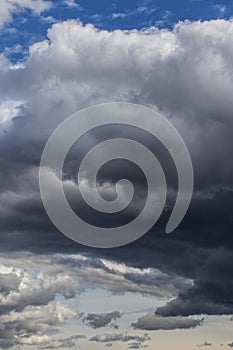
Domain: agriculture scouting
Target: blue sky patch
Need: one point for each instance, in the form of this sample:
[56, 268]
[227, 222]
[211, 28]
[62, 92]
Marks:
[27, 28]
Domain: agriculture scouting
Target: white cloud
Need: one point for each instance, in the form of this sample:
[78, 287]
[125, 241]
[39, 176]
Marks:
[29, 326]
[71, 3]
[10, 109]
[9, 7]
[28, 304]
[36, 291]
[119, 15]
[97, 273]
[221, 9]
[187, 70]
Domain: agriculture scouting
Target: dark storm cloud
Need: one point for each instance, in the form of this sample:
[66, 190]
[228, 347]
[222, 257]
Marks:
[187, 74]
[211, 292]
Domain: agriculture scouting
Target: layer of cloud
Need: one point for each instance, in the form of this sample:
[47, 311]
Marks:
[137, 346]
[30, 310]
[120, 337]
[57, 273]
[66, 343]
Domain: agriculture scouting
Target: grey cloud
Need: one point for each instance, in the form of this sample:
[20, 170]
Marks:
[66, 343]
[206, 343]
[193, 307]
[38, 292]
[102, 320]
[8, 282]
[29, 311]
[153, 322]
[29, 326]
[121, 337]
[58, 270]
[207, 294]
[137, 346]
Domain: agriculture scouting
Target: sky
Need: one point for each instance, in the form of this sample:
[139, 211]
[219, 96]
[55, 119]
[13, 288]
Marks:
[161, 291]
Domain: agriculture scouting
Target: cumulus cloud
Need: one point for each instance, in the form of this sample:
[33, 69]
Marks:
[187, 74]
[64, 79]
[151, 322]
[29, 326]
[28, 304]
[35, 291]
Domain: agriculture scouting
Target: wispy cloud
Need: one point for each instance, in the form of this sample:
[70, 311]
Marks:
[71, 4]
[9, 7]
